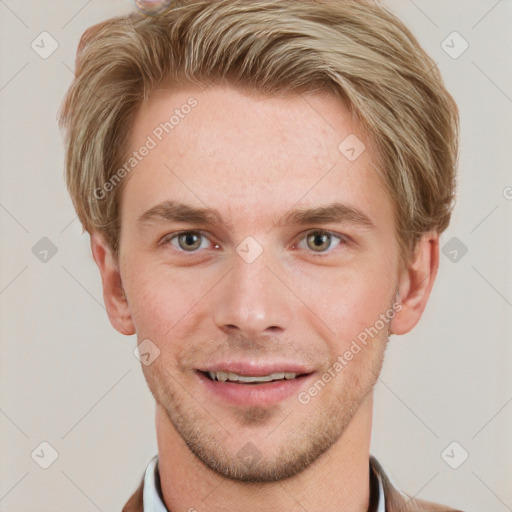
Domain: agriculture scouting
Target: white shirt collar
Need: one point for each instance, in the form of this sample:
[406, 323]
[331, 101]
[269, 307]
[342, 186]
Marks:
[382, 499]
[153, 502]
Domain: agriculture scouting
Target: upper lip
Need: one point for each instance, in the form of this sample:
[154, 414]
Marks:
[256, 368]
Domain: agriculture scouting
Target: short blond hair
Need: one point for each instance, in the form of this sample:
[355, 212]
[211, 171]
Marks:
[357, 50]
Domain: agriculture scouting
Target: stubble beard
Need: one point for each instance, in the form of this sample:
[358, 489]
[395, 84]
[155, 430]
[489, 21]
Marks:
[300, 444]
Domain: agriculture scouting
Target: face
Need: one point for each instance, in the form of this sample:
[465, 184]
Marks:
[252, 248]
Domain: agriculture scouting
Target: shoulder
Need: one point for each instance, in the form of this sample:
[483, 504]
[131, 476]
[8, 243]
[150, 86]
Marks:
[136, 501]
[396, 501]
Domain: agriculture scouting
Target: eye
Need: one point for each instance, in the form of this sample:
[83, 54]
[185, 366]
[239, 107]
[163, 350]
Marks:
[322, 241]
[187, 241]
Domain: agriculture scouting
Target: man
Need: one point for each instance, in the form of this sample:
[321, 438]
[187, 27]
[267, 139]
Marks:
[265, 184]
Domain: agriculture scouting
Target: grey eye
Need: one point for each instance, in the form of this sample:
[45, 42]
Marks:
[189, 241]
[318, 241]
[321, 241]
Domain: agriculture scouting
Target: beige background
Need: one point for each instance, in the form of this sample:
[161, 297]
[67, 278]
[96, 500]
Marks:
[69, 379]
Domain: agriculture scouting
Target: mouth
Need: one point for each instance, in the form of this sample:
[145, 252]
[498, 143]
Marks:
[221, 376]
[252, 387]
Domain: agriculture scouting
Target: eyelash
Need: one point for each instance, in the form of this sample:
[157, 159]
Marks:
[343, 239]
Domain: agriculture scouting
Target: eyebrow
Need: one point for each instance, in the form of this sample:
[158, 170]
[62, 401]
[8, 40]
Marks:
[330, 213]
[174, 211]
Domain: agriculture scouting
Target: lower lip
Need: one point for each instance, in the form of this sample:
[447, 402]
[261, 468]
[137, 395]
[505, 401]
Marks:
[268, 393]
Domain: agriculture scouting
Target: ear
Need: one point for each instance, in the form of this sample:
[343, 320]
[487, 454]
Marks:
[113, 294]
[415, 282]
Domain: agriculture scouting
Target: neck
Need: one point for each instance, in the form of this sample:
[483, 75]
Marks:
[337, 480]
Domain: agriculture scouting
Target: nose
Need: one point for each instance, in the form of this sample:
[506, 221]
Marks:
[253, 300]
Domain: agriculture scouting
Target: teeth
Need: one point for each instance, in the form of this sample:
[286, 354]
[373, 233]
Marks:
[224, 376]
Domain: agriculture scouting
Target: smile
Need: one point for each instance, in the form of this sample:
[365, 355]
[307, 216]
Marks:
[248, 379]
[241, 390]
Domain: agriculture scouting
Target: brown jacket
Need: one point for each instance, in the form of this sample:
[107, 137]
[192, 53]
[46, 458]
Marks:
[395, 501]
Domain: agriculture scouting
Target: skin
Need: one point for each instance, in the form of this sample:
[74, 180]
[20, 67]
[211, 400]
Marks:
[254, 158]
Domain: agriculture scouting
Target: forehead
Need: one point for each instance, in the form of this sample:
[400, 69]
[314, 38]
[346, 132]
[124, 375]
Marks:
[247, 155]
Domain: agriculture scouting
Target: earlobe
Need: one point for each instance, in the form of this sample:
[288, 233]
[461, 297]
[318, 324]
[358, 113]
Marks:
[113, 294]
[415, 283]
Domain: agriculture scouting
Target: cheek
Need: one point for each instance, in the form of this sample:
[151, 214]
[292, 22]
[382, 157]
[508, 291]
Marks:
[162, 304]
[348, 301]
